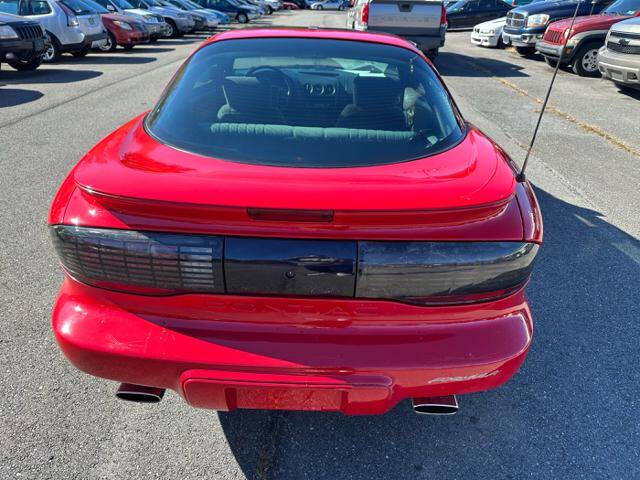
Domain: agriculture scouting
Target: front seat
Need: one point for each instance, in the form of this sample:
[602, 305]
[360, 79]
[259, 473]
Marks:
[376, 105]
[248, 101]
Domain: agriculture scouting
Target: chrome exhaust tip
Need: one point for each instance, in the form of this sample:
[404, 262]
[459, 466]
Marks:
[139, 393]
[446, 405]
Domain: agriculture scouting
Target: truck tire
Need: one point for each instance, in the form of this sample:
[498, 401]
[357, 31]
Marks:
[526, 51]
[26, 65]
[585, 61]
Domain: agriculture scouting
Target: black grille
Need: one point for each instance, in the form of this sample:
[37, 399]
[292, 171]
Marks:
[628, 49]
[515, 20]
[155, 260]
[28, 32]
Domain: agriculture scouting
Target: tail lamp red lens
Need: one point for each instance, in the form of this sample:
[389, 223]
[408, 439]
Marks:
[365, 13]
[72, 19]
[443, 15]
[428, 273]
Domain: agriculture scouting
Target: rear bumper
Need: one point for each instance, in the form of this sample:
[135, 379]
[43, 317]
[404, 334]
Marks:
[226, 352]
[86, 41]
[423, 42]
[619, 68]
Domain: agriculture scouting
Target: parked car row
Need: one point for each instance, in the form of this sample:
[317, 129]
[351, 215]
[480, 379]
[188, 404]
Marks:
[603, 41]
[33, 31]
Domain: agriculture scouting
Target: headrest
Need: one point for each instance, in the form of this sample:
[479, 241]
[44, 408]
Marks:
[376, 92]
[245, 94]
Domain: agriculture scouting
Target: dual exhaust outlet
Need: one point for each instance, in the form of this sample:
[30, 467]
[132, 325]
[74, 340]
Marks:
[444, 405]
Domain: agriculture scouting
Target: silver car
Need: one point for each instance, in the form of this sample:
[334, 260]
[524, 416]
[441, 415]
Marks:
[619, 58]
[70, 25]
[178, 22]
[154, 22]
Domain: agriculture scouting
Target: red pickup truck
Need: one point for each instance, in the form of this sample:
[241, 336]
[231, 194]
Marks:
[585, 38]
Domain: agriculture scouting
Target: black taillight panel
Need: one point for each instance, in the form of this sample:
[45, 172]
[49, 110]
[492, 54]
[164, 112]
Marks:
[290, 267]
[426, 273]
[147, 259]
[442, 272]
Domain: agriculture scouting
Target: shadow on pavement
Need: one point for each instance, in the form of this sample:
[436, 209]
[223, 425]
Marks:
[11, 97]
[458, 65]
[568, 414]
[118, 59]
[47, 75]
[144, 49]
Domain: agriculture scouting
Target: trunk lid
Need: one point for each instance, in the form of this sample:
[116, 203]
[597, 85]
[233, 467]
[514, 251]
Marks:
[471, 184]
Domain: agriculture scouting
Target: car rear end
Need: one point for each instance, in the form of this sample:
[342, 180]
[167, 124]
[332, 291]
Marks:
[422, 22]
[619, 58]
[309, 266]
[84, 26]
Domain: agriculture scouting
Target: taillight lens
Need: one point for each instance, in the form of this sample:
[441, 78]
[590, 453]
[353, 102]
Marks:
[435, 273]
[425, 273]
[365, 13]
[72, 20]
[153, 262]
[443, 16]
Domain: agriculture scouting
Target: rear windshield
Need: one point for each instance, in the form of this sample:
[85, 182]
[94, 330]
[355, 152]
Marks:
[307, 103]
[78, 7]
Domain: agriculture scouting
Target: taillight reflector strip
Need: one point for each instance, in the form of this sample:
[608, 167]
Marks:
[442, 272]
[162, 261]
[428, 273]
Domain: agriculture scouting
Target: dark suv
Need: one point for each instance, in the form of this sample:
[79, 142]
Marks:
[526, 25]
[22, 43]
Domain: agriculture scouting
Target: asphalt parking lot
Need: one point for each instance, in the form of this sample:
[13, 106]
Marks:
[569, 413]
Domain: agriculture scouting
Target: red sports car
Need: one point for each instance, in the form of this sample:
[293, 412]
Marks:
[303, 221]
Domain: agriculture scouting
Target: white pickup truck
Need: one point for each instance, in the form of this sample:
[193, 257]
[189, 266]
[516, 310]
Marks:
[421, 21]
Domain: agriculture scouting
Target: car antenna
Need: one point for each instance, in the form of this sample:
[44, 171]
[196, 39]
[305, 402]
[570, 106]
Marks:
[521, 176]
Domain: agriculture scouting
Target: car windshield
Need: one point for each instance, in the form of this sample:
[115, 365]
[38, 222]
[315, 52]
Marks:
[455, 6]
[78, 7]
[9, 6]
[306, 103]
[623, 7]
[95, 7]
[123, 4]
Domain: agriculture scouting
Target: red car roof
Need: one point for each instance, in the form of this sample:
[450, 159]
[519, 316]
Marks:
[322, 33]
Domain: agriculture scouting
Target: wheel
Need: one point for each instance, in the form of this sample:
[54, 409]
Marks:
[52, 53]
[242, 18]
[128, 46]
[500, 43]
[552, 62]
[26, 65]
[172, 29]
[82, 53]
[341, 8]
[526, 51]
[319, 7]
[109, 45]
[585, 61]
[153, 40]
[269, 10]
